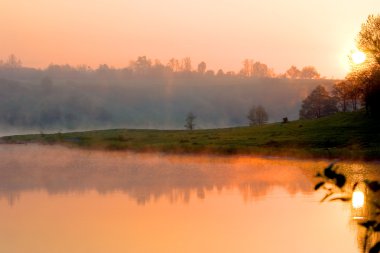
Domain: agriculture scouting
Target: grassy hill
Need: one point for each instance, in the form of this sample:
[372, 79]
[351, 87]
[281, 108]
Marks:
[343, 135]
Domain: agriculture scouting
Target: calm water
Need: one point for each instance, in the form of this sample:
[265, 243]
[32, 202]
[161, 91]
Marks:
[54, 199]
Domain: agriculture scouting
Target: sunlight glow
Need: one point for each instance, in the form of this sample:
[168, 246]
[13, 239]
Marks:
[357, 199]
[358, 57]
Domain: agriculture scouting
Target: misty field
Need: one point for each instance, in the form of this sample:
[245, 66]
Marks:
[343, 135]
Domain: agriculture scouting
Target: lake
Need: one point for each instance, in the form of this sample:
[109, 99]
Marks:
[56, 199]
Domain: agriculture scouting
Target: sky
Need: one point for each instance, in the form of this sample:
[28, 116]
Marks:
[222, 33]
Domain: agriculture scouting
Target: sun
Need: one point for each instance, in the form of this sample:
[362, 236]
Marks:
[358, 57]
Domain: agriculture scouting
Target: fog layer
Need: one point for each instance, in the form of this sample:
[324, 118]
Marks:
[64, 98]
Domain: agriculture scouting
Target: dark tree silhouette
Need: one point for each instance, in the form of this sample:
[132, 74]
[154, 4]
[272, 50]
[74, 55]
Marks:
[347, 95]
[318, 104]
[257, 116]
[367, 74]
[369, 38]
[190, 118]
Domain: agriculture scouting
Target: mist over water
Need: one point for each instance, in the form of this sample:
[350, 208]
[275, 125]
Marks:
[115, 202]
[144, 177]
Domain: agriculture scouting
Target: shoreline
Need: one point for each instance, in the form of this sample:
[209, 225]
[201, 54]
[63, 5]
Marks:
[349, 136]
[265, 153]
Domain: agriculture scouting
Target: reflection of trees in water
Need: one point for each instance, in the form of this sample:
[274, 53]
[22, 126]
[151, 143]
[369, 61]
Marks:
[145, 177]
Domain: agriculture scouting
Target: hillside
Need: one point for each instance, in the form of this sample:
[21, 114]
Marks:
[343, 135]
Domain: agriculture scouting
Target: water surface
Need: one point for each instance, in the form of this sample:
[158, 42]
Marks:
[55, 199]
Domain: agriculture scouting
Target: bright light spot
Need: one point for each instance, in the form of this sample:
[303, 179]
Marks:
[358, 57]
[357, 199]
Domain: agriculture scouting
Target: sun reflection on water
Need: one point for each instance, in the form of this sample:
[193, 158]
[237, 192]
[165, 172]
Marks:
[357, 199]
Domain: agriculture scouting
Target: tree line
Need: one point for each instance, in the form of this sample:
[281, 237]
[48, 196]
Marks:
[144, 66]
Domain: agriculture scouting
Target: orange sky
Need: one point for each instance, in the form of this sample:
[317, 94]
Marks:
[279, 33]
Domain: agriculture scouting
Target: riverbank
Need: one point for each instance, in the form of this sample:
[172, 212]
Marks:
[343, 135]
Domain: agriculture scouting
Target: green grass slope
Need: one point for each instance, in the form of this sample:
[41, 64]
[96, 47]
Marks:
[343, 135]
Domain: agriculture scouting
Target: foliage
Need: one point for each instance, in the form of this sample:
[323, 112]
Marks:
[318, 104]
[308, 72]
[336, 188]
[202, 68]
[347, 95]
[367, 74]
[11, 63]
[256, 69]
[367, 78]
[257, 116]
[190, 118]
[369, 38]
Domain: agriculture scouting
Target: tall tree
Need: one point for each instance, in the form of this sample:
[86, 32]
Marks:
[174, 65]
[309, 72]
[347, 95]
[257, 116]
[247, 68]
[261, 70]
[367, 74]
[293, 72]
[186, 64]
[202, 68]
[190, 124]
[262, 115]
[141, 66]
[318, 104]
[342, 93]
[369, 38]
[12, 62]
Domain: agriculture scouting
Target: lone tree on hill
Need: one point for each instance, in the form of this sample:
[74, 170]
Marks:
[190, 118]
[257, 116]
[318, 104]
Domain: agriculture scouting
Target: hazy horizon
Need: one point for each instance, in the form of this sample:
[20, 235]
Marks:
[221, 33]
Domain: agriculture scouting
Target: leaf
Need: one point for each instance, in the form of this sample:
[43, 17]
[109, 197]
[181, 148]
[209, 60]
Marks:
[326, 196]
[329, 172]
[377, 205]
[331, 165]
[340, 180]
[375, 248]
[319, 185]
[368, 224]
[344, 199]
[373, 185]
